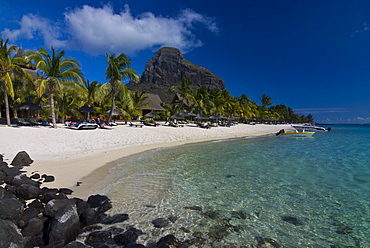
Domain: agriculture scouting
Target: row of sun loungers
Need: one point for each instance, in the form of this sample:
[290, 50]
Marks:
[32, 122]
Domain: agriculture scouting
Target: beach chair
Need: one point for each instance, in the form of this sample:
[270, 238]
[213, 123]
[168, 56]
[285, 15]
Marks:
[35, 122]
[135, 125]
[23, 122]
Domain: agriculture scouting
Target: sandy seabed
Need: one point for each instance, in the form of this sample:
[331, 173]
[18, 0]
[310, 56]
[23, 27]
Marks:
[85, 156]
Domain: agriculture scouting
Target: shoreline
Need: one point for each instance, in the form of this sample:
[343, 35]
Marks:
[94, 182]
[86, 156]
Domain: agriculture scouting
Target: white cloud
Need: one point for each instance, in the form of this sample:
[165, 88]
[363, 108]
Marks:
[35, 27]
[100, 30]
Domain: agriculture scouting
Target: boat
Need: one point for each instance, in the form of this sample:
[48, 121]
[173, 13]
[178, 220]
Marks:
[310, 127]
[82, 125]
[295, 133]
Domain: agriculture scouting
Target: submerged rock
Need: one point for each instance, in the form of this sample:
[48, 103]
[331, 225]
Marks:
[292, 220]
[218, 232]
[114, 219]
[344, 230]
[197, 208]
[168, 241]
[267, 242]
[212, 214]
[128, 237]
[160, 222]
[362, 178]
[98, 237]
[239, 214]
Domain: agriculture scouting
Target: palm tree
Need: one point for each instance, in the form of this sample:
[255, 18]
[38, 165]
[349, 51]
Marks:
[118, 69]
[201, 99]
[57, 72]
[94, 93]
[186, 92]
[138, 98]
[266, 100]
[248, 108]
[9, 69]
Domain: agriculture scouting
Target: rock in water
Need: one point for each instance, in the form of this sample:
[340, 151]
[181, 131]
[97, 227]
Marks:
[22, 158]
[292, 220]
[168, 241]
[167, 68]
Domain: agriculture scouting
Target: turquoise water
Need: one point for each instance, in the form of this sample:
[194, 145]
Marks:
[298, 192]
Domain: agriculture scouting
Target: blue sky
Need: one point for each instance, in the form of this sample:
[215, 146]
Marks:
[313, 56]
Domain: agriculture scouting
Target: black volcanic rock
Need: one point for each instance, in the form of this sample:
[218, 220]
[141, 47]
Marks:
[167, 68]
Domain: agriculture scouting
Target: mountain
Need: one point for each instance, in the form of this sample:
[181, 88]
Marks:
[167, 68]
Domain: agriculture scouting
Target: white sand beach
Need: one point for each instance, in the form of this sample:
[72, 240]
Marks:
[73, 156]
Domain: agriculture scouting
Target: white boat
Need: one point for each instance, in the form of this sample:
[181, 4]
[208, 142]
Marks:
[82, 125]
[295, 133]
[310, 127]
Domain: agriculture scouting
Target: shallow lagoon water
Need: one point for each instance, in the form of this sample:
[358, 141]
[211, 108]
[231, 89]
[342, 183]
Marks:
[243, 190]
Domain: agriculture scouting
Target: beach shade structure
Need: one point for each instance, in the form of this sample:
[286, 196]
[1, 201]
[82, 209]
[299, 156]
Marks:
[225, 117]
[116, 112]
[151, 114]
[184, 114]
[214, 117]
[265, 119]
[201, 117]
[28, 106]
[177, 116]
[87, 110]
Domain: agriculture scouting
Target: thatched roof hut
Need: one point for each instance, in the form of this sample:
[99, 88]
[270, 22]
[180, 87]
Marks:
[154, 102]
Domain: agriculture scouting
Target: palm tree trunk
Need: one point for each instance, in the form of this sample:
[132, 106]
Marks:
[113, 92]
[111, 110]
[52, 110]
[6, 103]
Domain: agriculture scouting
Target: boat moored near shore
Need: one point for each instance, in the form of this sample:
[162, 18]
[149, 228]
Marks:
[310, 127]
[295, 133]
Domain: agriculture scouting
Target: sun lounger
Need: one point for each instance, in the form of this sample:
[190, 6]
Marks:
[36, 122]
[23, 122]
[203, 125]
[135, 125]
[172, 124]
[148, 123]
[82, 125]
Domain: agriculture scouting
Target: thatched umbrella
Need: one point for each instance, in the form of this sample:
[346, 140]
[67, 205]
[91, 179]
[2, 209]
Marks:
[152, 114]
[116, 112]
[225, 117]
[214, 117]
[28, 106]
[86, 109]
[176, 116]
[184, 114]
[201, 117]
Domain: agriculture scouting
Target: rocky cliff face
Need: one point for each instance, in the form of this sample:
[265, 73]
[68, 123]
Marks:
[167, 68]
